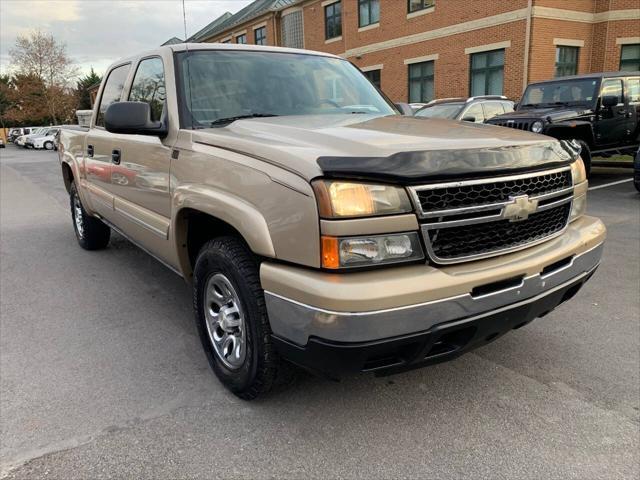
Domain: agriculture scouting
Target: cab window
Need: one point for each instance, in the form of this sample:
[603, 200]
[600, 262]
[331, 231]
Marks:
[112, 90]
[148, 86]
[612, 87]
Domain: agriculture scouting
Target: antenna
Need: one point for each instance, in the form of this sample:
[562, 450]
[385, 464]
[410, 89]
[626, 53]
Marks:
[186, 45]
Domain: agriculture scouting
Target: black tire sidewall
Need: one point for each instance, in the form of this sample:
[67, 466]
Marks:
[214, 258]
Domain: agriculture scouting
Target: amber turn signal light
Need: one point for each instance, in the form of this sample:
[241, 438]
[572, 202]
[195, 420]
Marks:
[330, 254]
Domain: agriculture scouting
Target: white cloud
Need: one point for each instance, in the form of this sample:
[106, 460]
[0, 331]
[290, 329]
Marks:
[98, 32]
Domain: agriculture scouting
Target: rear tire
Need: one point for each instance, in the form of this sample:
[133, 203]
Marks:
[585, 154]
[231, 317]
[91, 233]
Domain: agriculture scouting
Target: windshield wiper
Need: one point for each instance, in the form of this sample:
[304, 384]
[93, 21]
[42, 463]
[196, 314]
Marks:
[228, 120]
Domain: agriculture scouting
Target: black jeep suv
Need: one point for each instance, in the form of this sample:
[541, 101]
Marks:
[600, 111]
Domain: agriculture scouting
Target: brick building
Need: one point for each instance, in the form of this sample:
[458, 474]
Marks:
[417, 50]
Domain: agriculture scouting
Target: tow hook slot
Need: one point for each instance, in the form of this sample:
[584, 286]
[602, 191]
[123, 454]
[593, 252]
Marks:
[495, 287]
[557, 266]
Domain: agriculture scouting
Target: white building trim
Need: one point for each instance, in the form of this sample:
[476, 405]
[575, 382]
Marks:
[372, 67]
[464, 27]
[426, 58]
[260, 25]
[488, 47]
[627, 40]
[369, 27]
[568, 42]
[334, 39]
[585, 17]
[418, 13]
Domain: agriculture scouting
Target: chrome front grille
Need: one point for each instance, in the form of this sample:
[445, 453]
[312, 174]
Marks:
[520, 125]
[474, 219]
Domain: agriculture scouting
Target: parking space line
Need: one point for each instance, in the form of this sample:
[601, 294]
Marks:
[611, 184]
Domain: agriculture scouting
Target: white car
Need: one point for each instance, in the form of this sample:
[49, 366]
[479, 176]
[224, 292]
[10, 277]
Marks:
[46, 141]
[22, 140]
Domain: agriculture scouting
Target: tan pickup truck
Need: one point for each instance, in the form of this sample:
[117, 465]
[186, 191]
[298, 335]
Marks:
[317, 225]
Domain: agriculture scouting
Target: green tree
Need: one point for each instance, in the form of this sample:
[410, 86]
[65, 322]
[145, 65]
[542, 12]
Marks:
[82, 89]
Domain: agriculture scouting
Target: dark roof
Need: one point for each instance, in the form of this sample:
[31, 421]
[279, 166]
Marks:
[207, 31]
[172, 41]
[251, 11]
[592, 75]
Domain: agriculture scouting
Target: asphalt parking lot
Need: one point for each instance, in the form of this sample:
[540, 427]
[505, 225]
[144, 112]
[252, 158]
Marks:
[102, 374]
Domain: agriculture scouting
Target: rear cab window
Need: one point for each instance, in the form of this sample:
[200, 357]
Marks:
[112, 91]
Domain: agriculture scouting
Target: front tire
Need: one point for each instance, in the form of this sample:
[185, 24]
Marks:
[91, 233]
[48, 145]
[231, 317]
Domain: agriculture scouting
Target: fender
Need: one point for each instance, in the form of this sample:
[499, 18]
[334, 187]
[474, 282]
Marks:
[235, 211]
[570, 129]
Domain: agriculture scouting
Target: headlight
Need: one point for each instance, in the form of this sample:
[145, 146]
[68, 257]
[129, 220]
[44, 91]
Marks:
[580, 187]
[343, 199]
[579, 207]
[537, 126]
[578, 172]
[370, 250]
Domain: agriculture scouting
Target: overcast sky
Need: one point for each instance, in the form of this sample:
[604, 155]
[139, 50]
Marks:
[98, 32]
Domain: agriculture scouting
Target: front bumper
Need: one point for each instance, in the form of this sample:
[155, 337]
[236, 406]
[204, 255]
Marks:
[312, 309]
[440, 343]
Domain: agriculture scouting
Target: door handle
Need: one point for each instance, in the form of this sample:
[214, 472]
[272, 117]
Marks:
[90, 150]
[115, 156]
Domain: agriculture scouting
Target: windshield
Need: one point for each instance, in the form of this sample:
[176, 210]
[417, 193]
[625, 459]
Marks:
[218, 85]
[568, 92]
[444, 110]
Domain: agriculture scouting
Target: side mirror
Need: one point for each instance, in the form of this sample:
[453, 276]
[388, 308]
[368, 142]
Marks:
[609, 101]
[405, 109]
[469, 119]
[132, 118]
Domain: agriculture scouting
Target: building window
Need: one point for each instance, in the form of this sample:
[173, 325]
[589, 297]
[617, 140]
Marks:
[416, 5]
[292, 30]
[261, 35]
[374, 77]
[241, 39]
[421, 82]
[487, 73]
[566, 61]
[368, 12]
[333, 20]
[630, 57]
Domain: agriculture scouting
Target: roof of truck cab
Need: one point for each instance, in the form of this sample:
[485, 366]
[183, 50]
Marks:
[245, 47]
[182, 47]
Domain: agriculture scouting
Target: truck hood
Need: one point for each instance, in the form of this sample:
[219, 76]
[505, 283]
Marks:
[554, 114]
[394, 148]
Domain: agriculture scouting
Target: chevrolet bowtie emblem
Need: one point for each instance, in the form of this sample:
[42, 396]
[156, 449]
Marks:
[519, 209]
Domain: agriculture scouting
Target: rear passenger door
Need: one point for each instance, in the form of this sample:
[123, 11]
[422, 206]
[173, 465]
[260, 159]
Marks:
[611, 124]
[633, 109]
[98, 151]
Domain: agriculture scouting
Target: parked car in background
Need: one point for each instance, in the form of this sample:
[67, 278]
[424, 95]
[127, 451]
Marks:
[46, 140]
[600, 111]
[26, 140]
[473, 109]
[416, 106]
[1, 142]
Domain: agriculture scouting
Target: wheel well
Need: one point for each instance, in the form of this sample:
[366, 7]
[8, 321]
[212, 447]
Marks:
[67, 175]
[198, 228]
[579, 132]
